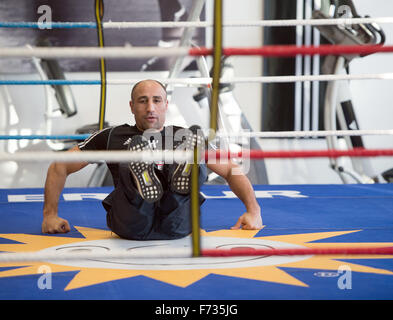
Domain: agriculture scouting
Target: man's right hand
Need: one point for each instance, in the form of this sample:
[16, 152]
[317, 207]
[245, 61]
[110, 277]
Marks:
[55, 224]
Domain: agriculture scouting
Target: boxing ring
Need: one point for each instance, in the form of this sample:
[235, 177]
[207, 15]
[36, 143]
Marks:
[294, 216]
[318, 242]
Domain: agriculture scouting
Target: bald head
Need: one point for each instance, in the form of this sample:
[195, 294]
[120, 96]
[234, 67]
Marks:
[142, 82]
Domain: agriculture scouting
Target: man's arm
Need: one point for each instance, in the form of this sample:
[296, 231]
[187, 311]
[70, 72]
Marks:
[54, 184]
[241, 186]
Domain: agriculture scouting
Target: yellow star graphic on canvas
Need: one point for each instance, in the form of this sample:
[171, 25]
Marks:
[182, 272]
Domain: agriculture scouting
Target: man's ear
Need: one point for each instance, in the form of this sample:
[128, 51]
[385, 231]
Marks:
[131, 106]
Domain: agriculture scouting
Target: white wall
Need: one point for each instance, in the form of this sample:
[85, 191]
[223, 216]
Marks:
[248, 95]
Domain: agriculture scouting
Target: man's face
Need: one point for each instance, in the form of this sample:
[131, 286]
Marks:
[149, 105]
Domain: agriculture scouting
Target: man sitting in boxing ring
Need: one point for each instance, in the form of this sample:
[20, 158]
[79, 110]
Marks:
[150, 200]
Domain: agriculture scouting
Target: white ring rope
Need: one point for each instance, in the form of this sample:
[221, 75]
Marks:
[263, 79]
[92, 52]
[247, 23]
[97, 52]
[204, 81]
[308, 134]
[113, 254]
[207, 24]
[168, 156]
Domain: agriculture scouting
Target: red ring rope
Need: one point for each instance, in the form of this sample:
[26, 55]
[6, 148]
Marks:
[293, 50]
[295, 251]
[260, 154]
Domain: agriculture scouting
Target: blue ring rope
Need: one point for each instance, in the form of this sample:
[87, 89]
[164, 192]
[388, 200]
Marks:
[53, 25]
[50, 82]
[45, 137]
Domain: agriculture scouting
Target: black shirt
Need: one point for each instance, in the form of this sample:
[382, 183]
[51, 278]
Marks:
[119, 138]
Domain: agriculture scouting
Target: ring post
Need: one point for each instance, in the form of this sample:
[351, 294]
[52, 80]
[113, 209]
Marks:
[195, 209]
